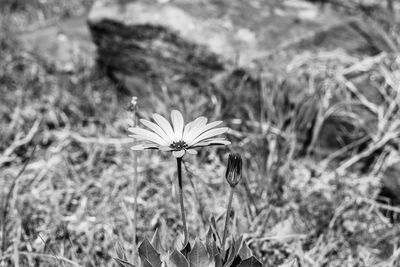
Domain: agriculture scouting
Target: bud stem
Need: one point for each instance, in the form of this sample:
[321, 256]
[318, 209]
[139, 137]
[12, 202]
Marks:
[228, 212]
[185, 231]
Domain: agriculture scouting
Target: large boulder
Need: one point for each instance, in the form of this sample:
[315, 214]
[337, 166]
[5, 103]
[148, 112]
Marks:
[204, 37]
[188, 46]
[192, 40]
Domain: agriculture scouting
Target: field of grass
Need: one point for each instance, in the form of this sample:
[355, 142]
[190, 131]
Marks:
[66, 170]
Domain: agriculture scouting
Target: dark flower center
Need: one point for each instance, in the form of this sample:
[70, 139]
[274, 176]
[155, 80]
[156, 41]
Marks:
[178, 145]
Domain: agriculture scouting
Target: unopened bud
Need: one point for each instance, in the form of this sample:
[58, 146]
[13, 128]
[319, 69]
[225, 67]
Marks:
[134, 101]
[234, 169]
[133, 104]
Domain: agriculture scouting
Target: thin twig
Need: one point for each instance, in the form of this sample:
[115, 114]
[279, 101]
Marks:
[23, 141]
[51, 250]
[371, 149]
[353, 89]
[7, 201]
[34, 254]
[380, 205]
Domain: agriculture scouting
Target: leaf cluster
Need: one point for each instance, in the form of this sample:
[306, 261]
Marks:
[198, 254]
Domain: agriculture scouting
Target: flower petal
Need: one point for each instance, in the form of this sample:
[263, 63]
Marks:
[191, 151]
[186, 130]
[177, 122]
[201, 129]
[190, 133]
[178, 154]
[143, 146]
[165, 148]
[216, 140]
[147, 135]
[165, 125]
[157, 129]
[211, 142]
[209, 134]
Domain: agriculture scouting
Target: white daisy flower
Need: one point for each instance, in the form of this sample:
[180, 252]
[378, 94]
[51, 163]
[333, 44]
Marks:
[178, 138]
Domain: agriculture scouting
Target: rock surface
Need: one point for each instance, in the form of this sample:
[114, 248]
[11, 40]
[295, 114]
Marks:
[214, 35]
[197, 43]
[63, 47]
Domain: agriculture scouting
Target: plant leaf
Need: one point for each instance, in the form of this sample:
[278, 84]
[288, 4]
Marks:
[178, 259]
[236, 261]
[120, 250]
[146, 263]
[250, 262]
[230, 254]
[211, 246]
[149, 253]
[198, 256]
[215, 230]
[186, 249]
[245, 251]
[238, 244]
[156, 242]
[123, 263]
[218, 260]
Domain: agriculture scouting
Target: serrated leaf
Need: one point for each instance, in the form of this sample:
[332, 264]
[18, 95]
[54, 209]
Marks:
[245, 251]
[123, 263]
[178, 259]
[250, 262]
[156, 241]
[211, 245]
[198, 255]
[146, 263]
[149, 253]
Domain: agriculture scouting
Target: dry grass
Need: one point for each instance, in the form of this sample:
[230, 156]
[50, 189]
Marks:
[66, 167]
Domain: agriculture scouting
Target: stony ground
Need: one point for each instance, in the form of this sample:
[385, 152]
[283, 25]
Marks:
[66, 168]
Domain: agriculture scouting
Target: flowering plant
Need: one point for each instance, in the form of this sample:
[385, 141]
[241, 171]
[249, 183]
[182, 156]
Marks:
[212, 253]
[180, 138]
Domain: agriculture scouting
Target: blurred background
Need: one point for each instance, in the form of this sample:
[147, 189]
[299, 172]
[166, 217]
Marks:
[309, 89]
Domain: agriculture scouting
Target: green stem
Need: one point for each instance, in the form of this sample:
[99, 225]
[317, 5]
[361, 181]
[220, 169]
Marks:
[228, 212]
[185, 231]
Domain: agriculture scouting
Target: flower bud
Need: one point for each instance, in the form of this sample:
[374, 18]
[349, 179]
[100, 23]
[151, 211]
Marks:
[234, 169]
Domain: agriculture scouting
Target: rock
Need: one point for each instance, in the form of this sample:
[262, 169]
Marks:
[197, 38]
[63, 47]
[194, 41]
[186, 47]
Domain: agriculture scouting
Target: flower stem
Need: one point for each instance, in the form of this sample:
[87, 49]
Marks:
[185, 231]
[228, 212]
[135, 189]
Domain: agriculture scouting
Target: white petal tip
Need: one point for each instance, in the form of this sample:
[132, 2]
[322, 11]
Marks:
[137, 148]
[165, 148]
[191, 151]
